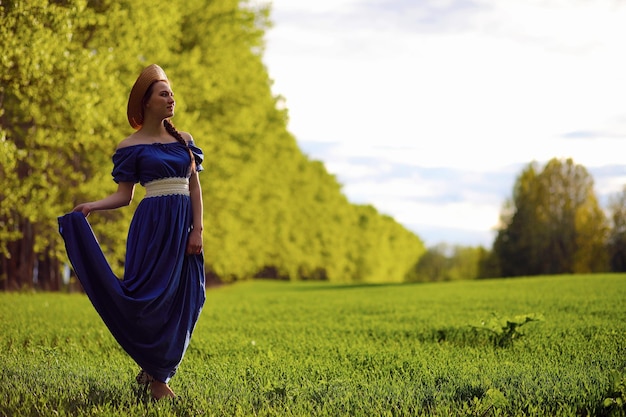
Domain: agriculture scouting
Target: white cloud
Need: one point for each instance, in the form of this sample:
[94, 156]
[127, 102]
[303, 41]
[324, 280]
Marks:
[612, 185]
[478, 86]
[463, 216]
[312, 7]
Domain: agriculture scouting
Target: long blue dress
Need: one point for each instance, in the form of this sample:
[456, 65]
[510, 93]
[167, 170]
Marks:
[153, 310]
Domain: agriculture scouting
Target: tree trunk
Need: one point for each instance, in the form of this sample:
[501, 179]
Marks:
[49, 274]
[18, 266]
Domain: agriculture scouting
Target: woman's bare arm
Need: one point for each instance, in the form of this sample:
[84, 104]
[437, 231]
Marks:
[194, 245]
[122, 197]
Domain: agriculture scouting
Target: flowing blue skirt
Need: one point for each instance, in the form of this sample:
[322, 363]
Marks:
[152, 312]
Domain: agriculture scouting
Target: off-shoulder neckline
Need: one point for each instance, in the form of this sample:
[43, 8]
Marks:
[153, 144]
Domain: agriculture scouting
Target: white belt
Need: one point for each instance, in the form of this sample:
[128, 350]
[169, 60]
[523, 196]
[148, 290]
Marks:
[167, 186]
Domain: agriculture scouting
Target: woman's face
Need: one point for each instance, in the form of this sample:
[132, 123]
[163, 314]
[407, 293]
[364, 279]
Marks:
[161, 102]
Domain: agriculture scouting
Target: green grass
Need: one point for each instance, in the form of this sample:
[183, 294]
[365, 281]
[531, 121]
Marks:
[312, 349]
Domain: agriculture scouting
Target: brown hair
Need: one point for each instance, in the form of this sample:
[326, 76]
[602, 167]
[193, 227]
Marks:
[169, 127]
[172, 131]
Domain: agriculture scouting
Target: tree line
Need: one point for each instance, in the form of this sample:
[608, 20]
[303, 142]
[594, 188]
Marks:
[66, 68]
[270, 210]
[552, 224]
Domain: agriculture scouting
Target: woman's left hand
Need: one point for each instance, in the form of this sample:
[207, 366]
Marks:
[194, 245]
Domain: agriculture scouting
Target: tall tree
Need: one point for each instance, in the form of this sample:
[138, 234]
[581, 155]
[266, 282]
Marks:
[62, 63]
[43, 112]
[553, 224]
[66, 69]
[464, 262]
[432, 266]
[448, 263]
[617, 236]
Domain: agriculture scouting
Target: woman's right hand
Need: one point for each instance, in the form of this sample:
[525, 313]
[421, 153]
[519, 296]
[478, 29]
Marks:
[122, 197]
[84, 208]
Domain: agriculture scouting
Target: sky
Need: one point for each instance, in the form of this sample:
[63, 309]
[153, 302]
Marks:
[430, 109]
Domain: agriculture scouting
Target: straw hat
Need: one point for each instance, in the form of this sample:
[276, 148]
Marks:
[149, 75]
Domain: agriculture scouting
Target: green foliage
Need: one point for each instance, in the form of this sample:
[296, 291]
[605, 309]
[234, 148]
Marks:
[448, 263]
[617, 236]
[433, 265]
[615, 401]
[553, 224]
[270, 211]
[506, 330]
[317, 349]
[491, 401]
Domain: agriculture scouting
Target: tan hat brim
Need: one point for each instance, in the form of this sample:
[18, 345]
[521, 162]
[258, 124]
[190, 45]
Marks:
[148, 76]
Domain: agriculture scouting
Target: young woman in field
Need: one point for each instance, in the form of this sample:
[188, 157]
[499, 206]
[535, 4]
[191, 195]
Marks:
[151, 312]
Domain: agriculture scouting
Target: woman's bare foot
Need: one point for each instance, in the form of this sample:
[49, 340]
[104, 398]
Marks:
[161, 390]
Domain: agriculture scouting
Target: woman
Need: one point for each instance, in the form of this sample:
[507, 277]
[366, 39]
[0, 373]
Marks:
[151, 312]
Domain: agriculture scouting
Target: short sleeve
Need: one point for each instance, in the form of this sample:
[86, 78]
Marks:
[198, 155]
[125, 165]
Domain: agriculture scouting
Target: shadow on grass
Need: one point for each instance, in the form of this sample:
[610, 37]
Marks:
[57, 392]
[458, 336]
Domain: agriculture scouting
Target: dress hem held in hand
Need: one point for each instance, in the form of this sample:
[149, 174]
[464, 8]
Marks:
[153, 310]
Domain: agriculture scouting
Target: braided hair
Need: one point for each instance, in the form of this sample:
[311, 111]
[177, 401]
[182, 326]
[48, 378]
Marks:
[176, 134]
[169, 127]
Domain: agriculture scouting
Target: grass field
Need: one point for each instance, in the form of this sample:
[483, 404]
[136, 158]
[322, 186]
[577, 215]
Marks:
[311, 349]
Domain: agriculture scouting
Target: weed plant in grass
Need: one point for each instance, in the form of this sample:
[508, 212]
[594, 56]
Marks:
[313, 349]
